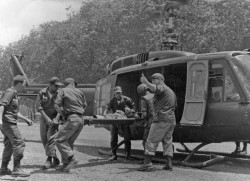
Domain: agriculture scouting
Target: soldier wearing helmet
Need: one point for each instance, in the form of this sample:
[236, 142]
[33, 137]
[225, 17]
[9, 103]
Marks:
[146, 108]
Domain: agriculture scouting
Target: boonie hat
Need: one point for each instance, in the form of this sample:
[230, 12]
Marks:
[157, 76]
[118, 89]
[55, 81]
[69, 81]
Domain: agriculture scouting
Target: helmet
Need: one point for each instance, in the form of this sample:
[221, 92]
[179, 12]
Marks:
[141, 89]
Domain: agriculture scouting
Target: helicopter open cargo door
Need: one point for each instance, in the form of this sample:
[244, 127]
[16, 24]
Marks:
[103, 93]
[196, 93]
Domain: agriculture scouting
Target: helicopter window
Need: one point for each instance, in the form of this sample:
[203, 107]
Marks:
[241, 66]
[230, 93]
[116, 65]
[105, 94]
[215, 83]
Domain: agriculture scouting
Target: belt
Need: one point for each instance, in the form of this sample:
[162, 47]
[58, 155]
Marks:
[79, 114]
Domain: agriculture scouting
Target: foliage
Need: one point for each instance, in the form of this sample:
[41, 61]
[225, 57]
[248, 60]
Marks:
[103, 30]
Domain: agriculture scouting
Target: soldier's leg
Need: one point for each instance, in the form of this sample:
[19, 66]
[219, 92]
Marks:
[50, 148]
[73, 138]
[114, 137]
[127, 139]
[43, 131]
[62, 137]
[167, 146]
[50, 145]
[6, 156]
[155, 136]
[18, 145]
[145, 136]
[244, 146]
[72, 160]
[167, 140]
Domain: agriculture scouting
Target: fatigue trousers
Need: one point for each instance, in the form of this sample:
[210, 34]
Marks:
[67, 135]
[160, 132]
[13, 142]
[114, 137]
[145, 134]
[46, 133]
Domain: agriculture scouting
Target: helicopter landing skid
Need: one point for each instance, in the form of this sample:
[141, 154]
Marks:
[231, 155]
[215, 158]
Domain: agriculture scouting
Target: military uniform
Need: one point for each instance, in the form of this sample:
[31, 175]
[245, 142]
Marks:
[147, 106]
[114, 105]
[73, 102]
[13, 141]
[46, 103]
[164, 121]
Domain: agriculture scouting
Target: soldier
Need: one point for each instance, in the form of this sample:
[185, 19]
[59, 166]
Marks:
[164, 122]
[125, 104]
[13, 141]
[46, 99]
[73, 104]
[146, 108]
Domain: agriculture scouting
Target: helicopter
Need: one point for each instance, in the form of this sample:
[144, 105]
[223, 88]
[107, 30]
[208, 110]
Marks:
[212, 90]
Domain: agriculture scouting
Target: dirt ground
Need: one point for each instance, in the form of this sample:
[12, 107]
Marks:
[93, 166]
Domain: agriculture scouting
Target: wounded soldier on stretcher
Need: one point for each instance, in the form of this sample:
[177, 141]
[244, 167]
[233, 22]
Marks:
[119, 117]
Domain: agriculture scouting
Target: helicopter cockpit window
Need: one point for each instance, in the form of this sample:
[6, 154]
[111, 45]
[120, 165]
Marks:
[215, 83]
[230, 93]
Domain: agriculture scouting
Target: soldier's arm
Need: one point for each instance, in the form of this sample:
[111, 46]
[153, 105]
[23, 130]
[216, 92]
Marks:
[40, 109]
[5, 101]
[27, 120]
[1, 116]
[130, 103]
[151, 86]
[144, 108]
[57, 105]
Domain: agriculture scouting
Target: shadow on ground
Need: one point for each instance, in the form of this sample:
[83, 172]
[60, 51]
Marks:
[230, 165]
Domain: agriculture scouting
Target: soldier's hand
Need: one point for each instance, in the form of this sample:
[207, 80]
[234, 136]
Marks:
[29, 122]
[127, 110]
[143, 79]
[49, 121]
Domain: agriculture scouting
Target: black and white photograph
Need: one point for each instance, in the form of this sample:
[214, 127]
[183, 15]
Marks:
[124, 90]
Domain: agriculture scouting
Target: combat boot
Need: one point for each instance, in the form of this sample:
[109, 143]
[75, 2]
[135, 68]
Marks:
[112, 158]
[56, 161]
[60, 168]
[72, 162]
[244, 150]
[128, 156]
[168, 165]
[147, 165]
[4, 169]
[17, 171]
[48, 163]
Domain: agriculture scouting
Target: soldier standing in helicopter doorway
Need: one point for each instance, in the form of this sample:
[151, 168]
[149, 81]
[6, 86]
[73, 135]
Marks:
[125, 104]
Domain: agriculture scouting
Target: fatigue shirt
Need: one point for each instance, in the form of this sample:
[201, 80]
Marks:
[124, 102]
[46, 103]
[147, 106]
[164, 104]
[72, 100]
[10, 102]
